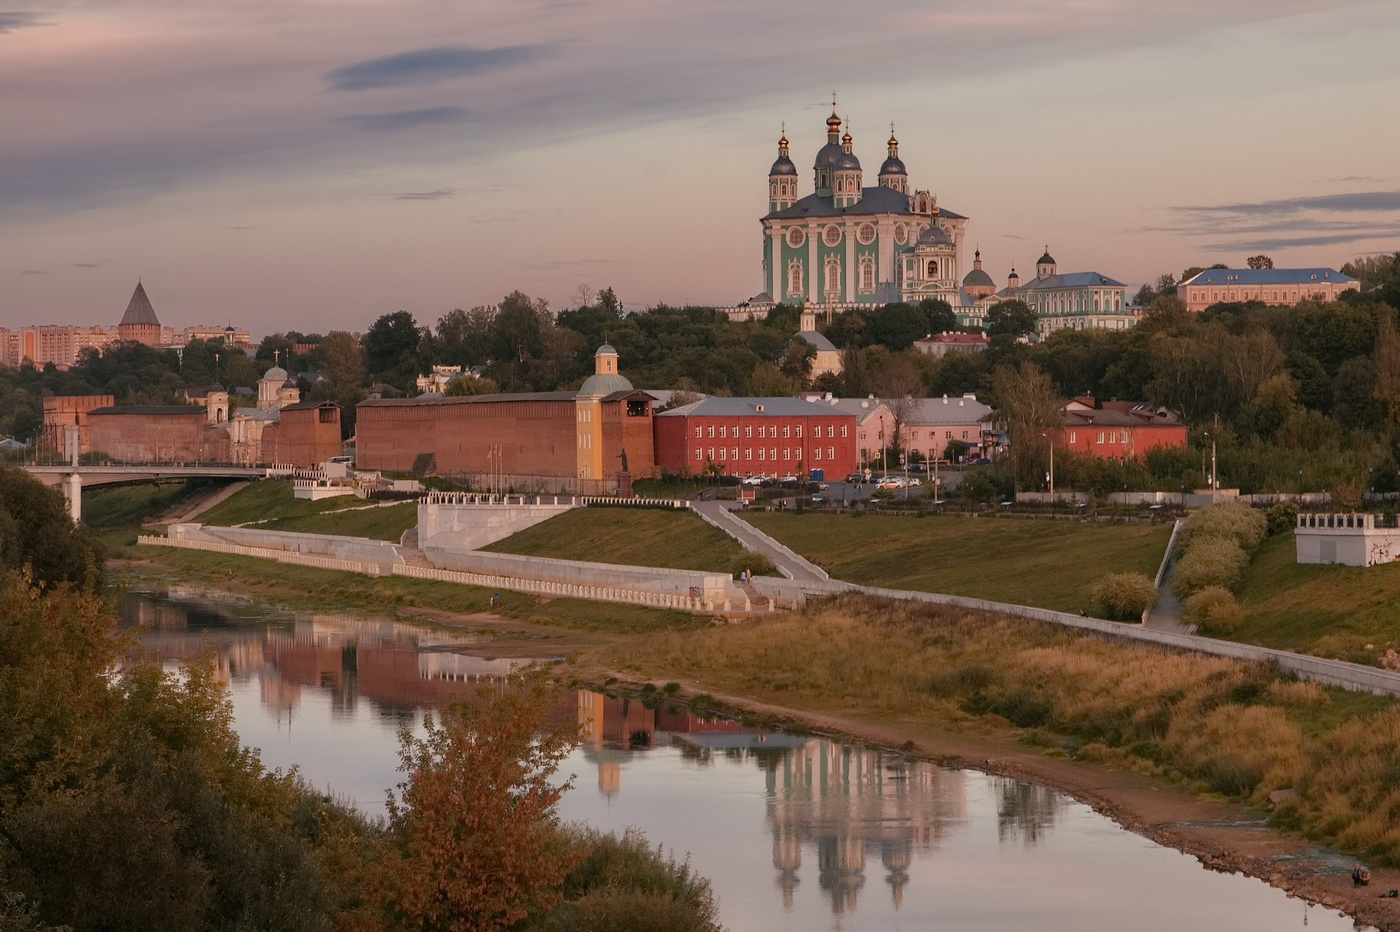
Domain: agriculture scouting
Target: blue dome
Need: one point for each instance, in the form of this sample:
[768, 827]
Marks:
[893, 166]
[604, 384]
[828, 155]
[934, 236]
[783, 166]
[978, 279]
[847, 162]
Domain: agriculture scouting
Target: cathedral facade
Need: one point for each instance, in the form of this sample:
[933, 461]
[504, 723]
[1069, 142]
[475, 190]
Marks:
[846, 245]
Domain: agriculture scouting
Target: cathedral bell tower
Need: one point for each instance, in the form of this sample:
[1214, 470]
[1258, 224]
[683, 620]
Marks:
[827, 156]
[782, 179]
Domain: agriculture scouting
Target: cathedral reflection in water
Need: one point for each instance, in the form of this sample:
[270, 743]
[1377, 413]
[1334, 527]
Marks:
[837, 807]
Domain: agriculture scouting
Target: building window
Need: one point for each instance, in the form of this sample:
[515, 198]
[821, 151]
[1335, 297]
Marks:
[1099, 438]
[843, 430]
[723, 453]
[748, 453]
[1071, 436]
[723, 431]
[699, 455]
[794, 276]
[699, 431]
[760, 453]
[817, 453]
[867, 274]
[799, 432]
[734, 453]
[831, 453]
[796, 236]
[773, 454]
[762, 431]
[748, 430]
[1124, 437]
[831, 235]
[710, 454]
[787, 432]
[833, 276]
[933, 268]
[711, 430]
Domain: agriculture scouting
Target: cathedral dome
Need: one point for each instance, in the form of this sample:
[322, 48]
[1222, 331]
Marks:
[828, 155]
[276, 373]
[783, 166]
[1046, 259]
[978, 279]
[935, 236]
[893, 166]
[847, 161]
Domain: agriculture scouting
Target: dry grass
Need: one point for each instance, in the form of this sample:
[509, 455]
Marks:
[1215, 724]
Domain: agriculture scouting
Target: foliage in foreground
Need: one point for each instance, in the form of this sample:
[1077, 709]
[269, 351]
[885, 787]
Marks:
[1215, 724]
[128, 803]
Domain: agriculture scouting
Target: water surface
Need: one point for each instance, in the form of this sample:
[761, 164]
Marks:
[795, 832]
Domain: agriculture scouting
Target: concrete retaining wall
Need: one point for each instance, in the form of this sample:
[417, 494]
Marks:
[379, 552]
[713, 588]
[281, 556]
[472, 526]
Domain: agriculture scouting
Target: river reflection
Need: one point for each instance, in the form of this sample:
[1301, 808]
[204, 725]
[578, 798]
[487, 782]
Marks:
[795, 832]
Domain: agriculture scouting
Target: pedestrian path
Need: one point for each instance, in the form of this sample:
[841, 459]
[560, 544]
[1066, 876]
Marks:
[789, 563]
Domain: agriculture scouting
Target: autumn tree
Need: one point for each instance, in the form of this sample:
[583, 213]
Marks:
[474, 843]
[1259, 262]
[1028, 409]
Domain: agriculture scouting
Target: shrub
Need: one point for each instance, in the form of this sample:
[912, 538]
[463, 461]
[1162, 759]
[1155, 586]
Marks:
[1123, 596]
[1209, 561]
[1233, 520]
[1281, 518]
[962, 680]
[1213, 610]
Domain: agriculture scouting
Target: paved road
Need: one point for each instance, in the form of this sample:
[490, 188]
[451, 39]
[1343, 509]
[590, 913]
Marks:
[789, 563]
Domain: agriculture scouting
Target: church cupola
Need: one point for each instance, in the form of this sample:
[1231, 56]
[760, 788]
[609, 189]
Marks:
[892, 173]
[978, 283]
[827, 156]
[846, 177]
[782, 179]
[1013, 281]
[1045, 265]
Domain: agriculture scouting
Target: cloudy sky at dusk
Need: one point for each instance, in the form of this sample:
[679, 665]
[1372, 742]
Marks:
[312, 164]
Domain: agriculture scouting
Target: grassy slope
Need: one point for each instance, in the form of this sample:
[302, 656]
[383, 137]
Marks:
[271, 498]
[1050, 564]
[115, 513]
[1329, 610]
[637, 536]
[387, 523]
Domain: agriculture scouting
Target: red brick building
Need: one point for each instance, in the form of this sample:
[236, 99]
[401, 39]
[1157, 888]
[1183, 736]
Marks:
[304, 434]
[545, 441]
[743, 436]
[1119, 429]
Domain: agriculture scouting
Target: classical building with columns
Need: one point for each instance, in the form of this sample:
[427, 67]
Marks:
[846, 245]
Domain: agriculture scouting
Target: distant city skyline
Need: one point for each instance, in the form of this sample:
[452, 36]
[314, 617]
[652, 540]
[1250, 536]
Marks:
[293, 165]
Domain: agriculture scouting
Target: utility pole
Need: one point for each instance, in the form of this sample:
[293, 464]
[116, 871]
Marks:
[1051, 478]
[1214, 477]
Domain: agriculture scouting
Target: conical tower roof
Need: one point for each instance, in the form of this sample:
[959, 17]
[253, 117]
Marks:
[139, 310]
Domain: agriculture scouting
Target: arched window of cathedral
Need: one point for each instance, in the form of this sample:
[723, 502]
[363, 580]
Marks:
[833, 276]
[795, 277]
[867, 274]
[933, 268]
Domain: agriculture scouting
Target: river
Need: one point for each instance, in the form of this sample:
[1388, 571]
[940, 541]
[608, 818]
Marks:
[795, 832]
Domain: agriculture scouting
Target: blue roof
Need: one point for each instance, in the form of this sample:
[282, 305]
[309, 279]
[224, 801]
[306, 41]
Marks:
[1268, 277]
[879, 200]
[1071, 280]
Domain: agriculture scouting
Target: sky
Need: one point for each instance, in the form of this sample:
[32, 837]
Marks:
[313, 164]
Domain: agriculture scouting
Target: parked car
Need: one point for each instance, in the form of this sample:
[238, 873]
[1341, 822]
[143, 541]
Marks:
[855, 478]
[754, 481]
[913, 481]
[889, 482]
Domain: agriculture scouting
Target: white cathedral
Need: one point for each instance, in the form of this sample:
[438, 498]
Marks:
[847, 245]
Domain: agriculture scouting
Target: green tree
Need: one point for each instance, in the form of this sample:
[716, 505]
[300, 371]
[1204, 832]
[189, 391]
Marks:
[391, 348]
[36, 533]
[1013, 318]
[896, 326]
[1259, 262]
[939, 315]
[1028, 408]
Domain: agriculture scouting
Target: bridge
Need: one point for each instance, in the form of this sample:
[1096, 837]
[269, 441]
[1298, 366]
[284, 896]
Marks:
[73, 478]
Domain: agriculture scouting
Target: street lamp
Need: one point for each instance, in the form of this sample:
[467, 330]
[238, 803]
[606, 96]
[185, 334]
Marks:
[1051, 479]
[1214, 479]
